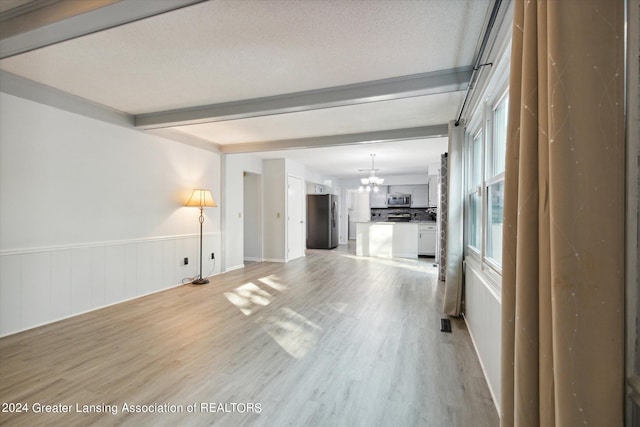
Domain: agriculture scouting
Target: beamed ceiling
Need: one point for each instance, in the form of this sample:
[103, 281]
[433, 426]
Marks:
[324, 82]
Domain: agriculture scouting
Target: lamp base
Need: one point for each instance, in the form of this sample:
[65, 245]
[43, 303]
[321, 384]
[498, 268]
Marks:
[200, 281]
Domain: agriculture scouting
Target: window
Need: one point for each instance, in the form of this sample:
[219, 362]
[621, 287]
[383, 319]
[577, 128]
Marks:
[495, 206]
[474, 188]
[485, 183]
[499, 136]
[495, 183]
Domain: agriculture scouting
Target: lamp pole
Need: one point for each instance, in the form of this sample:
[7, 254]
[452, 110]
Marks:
[201, 198]
[200, 280]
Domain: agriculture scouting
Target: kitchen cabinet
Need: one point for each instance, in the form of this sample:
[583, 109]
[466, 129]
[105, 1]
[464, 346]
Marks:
[433, 191]
[378, 199]
[387, 239]
[427, 239]
[420, 196]
[400, 189]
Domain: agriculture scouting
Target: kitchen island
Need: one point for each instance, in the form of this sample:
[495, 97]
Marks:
[387, 239]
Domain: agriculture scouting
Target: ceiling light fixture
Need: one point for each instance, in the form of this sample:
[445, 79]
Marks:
[373, 182]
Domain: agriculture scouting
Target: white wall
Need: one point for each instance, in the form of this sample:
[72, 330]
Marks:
[482, 300]
[295, 169]
[483, 318]
[274, 174]
[314, 177]
[92, 213]
[434, 168]
[235, 167]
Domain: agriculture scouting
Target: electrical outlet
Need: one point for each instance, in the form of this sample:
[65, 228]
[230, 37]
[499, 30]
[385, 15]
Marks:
[185, 261]
[213, 255]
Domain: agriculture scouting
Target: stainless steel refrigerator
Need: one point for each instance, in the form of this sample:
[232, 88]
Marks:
[322, 221]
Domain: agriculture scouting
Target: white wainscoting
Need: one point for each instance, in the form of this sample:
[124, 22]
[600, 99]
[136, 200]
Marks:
[483, 318]
[43, 285]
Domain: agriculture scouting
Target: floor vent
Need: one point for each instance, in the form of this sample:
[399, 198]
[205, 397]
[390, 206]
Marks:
[445, 325]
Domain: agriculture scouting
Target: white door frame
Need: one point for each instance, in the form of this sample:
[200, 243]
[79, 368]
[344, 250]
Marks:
[295, 249]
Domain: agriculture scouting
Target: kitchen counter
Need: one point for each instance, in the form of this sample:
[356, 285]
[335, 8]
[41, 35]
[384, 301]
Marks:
[387, 239]
[395, 222]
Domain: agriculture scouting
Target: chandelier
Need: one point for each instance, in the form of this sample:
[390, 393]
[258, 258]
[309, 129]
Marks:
[372, 182]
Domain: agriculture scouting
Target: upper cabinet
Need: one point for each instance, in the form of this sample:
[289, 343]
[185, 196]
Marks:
[419, 196]
[400, 189]
[433, 191]
[378, 199]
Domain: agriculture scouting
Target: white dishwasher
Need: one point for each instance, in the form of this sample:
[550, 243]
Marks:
[427, 239]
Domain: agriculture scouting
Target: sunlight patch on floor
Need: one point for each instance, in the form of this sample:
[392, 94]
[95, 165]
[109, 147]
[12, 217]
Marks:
[248, 297]
[410, 264]
[296, 334]
[331, 308]
[272, 282]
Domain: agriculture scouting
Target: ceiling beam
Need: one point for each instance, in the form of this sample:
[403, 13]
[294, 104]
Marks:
[47, 95]
[187, 139]
[378, 90]
[334, 140]
[44, 23]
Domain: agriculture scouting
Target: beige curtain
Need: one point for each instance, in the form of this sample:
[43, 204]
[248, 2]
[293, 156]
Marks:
[563, 262]
[455, 221]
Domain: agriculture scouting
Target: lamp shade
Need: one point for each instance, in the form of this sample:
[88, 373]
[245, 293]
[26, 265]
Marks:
[201, 198]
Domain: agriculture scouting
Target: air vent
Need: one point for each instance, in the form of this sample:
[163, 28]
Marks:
[445, 325]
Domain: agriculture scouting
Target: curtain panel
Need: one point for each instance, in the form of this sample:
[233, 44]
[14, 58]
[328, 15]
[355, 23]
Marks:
[563, 256]
[455, 221]
[443, 212]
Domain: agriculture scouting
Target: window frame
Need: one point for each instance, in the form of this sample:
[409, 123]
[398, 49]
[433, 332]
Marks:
[473, 188]
[490, 261]
[503, 96]
[483, 123]
[498, 100]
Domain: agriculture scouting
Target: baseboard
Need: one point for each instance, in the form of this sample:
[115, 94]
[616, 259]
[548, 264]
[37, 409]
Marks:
[412, 256]
[252, 259]
[235, 267]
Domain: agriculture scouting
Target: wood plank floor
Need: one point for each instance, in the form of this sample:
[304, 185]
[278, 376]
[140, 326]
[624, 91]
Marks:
[330, 339]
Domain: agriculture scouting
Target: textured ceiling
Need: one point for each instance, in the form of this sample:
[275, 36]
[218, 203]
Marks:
[392, 158]
[226, 50]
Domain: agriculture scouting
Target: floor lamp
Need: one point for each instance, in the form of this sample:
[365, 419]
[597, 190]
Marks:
[201, 198]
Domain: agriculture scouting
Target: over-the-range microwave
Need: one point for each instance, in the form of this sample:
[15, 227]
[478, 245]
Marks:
[399, 201]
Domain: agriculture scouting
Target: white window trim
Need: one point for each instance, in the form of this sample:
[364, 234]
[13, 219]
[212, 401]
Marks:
[493, 92]
[494, 180]
[472, 189]
[482, 123]
[490, 110]
[497, 268]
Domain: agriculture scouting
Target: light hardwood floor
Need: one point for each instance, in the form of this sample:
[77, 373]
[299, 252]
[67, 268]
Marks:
[330, 339]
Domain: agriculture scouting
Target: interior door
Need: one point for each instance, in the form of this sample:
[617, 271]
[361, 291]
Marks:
[295, 218]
